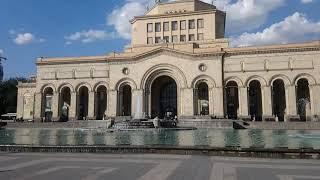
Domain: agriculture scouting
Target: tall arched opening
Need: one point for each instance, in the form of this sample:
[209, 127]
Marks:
[201, 99]
[303, 99]
[278, 99]
[232, 95]
[83, 97]
[101, 102]
[124, 100]
[255, 100]
[47, 96]
[163, 97]
[64, 104]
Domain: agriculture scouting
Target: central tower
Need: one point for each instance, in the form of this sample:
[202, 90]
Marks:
[178, 22]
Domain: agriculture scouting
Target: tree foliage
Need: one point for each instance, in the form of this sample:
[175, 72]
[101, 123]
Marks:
[8, 95]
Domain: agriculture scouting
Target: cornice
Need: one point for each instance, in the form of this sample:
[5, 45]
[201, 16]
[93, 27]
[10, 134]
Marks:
[110, 59]
[26, 85]
[169, 50]
[129, 58]
[190, 13]
[71, 60]
[270, 50]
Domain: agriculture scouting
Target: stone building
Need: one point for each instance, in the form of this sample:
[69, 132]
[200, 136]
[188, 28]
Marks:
[179, 63]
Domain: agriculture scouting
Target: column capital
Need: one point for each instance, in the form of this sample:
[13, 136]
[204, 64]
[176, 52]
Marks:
[242, 87]
[265, 86]
[290, 85]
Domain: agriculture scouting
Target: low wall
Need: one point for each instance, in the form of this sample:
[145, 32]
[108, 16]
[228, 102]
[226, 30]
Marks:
[285, 125]
[207, 123]
[199, 123]
[71, 124]
[209, 151]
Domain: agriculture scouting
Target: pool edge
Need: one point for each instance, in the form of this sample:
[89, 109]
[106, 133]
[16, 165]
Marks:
[275, 153]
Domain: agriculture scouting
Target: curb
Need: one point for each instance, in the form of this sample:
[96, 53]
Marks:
[278, 153]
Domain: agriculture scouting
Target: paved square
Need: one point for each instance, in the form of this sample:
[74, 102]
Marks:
[151, 167]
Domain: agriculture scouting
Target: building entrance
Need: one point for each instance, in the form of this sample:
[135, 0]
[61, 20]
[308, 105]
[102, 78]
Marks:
[164, 97]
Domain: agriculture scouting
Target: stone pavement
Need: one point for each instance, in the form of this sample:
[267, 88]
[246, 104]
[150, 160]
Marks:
[151, 167]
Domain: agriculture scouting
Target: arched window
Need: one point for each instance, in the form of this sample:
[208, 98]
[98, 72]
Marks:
[201, 98]
[124, 100]
[101, 102]
[278, 99]
[64, 104]
[164, 97]
[255, 100]
[83, 97]
[303, 99]
[232, 95]
[47, 104]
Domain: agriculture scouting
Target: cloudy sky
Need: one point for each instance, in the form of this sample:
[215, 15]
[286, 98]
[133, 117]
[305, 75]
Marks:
[50, 28]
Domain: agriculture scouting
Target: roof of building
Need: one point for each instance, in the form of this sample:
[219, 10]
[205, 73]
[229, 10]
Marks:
[177, 8]
[193, 51]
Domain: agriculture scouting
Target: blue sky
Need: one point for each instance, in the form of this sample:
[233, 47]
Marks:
[55, 28]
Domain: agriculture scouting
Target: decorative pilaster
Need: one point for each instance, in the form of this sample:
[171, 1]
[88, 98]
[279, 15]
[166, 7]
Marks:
[243, 103]
[55, 106]
[315, 103]
[292, 104]
[266, 103]
[137, 103]
[187, 102]
[217, 102]
[37, 106]
[73, 106]
[112, 103]
[91, 105]
[20, 105]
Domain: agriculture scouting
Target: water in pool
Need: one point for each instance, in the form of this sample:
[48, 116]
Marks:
[201, 137]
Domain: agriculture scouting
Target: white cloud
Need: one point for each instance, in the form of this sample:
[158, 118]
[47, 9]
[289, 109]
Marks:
[88, 36]
[306, 1]
[26, 38]
[244, 15]
[1, 52]
[120, 17]
[294, 28]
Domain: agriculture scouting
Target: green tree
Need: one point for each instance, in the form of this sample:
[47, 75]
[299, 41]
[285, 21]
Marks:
[8, 95]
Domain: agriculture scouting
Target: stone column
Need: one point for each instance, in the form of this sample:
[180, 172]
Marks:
[112, 103]
[91, 105]
[211, 102]
[20, 105]
[147, 102]
[137, 103]
[186, 102]
[266, 103]
[243, 103]
[292, 104]
[315, 97]
[217, 102]
[55, 106]
[73, 106]
[37, 106]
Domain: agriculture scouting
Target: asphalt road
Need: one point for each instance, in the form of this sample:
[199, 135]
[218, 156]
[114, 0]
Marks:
[151, 167]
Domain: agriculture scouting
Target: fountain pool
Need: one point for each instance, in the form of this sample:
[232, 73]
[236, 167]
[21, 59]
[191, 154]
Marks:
[163, 137]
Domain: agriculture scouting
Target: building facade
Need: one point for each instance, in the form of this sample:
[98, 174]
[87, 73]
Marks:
[179, 63]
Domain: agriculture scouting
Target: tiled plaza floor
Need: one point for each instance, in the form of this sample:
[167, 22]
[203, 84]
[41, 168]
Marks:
[151, 167]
